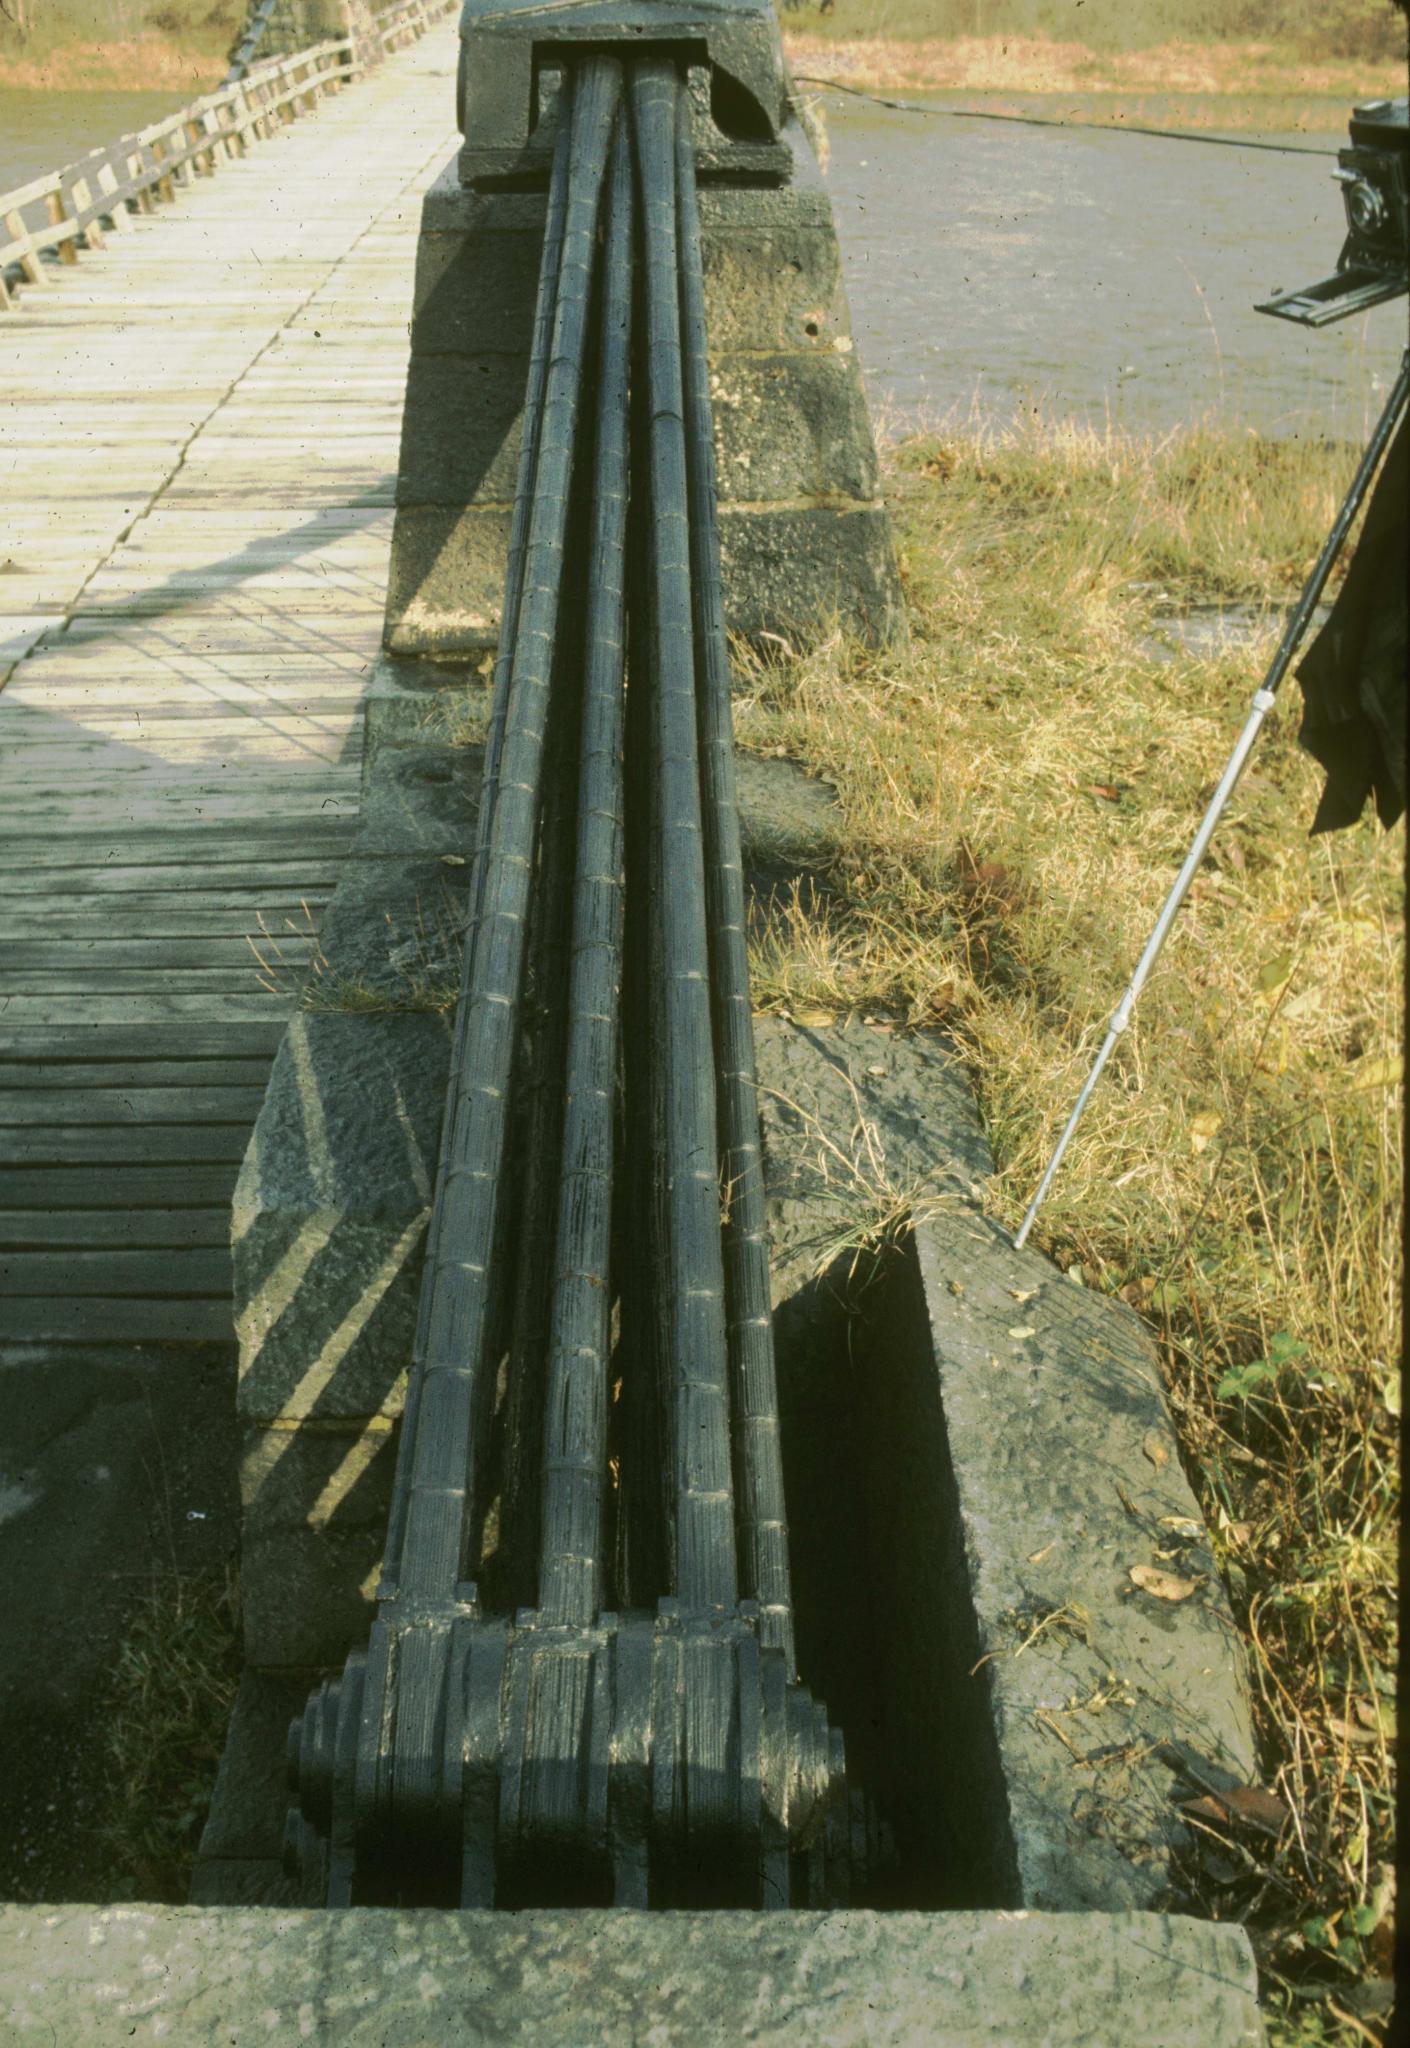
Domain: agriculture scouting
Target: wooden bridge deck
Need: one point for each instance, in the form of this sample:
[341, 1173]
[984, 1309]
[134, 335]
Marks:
[198, 446]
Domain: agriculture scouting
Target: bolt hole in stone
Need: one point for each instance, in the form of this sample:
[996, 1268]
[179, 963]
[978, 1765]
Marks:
[812, 328]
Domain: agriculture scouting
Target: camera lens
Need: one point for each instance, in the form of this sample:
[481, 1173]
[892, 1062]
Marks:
[1365, 208]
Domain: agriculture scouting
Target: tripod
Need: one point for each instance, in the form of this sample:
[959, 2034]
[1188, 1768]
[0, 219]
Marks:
[1263, 701]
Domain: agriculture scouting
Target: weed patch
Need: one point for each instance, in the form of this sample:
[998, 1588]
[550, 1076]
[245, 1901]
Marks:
[168, 1700]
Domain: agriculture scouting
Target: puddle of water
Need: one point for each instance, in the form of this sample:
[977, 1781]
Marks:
[43, 131]
[1206, 631]
[1105, 275]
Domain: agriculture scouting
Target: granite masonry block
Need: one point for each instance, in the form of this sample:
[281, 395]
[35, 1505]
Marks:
[330, 1213]
[385, 1978]
[787, 427]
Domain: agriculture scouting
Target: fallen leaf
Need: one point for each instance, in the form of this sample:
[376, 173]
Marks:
[1203, 1128]
[1378, 1073]
[1206, 1807]
[1257, 1808]
[956, 1289]
[1346, 1733]
[1182, 1525]
[1107, 791]
[1022, 1330]
[1156, 1449]
[1273, 974]
[453, 860]
[1249, 1805]
[814, 1017]
[1371, 1714]
[1022, 1294]
[1126, 1501]
[1164, 1585]
[1037, 1556]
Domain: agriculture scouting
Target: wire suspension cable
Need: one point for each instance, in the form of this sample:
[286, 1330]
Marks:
[877, 99]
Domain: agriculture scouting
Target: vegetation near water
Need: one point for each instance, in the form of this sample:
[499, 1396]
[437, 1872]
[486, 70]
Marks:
[1017, 792]
[1274, 65]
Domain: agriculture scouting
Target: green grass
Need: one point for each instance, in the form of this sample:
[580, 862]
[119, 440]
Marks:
[1016, 794]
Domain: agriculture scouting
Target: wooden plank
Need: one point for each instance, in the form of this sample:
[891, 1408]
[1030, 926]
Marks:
[159, 985]
[135, 1229]
[73, 954]
[117, 1188]
[75, 1319]
[195, 1270]
[92, 1108]
[169, 1144]
[38, 1011]
[121, 852]
[166, 917]
[97, 1075]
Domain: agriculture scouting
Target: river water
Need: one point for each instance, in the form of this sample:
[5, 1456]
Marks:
[1098, 274]
[43, 131]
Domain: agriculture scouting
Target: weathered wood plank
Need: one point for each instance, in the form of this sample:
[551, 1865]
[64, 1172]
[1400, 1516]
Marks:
[94, 1109]
[115, 1145]
[45, 1075]
[137, 1229]
[117, 1188]
[201, 1270]
[78, 1319]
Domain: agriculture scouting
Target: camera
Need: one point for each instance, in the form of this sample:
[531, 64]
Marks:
[1374, 265]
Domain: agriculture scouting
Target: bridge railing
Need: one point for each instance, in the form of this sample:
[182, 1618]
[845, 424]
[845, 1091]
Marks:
[48, 220]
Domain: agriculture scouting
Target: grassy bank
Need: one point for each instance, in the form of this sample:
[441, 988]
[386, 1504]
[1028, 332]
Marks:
[1018, 791]
[1179, 66]
[118, 45]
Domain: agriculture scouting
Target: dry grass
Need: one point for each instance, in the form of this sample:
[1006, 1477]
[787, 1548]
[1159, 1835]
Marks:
[1017, 792]
[1185, 66]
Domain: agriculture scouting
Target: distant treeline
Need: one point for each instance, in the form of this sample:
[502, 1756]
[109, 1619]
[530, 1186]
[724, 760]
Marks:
[1330, 28]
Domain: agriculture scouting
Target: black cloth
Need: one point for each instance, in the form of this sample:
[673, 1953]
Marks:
[1354, 676]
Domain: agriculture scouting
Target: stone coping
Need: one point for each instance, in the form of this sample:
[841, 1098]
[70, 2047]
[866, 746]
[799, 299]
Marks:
[389, 1979]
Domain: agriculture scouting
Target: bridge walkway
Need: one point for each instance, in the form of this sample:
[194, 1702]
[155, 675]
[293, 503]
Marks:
[198, 450]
